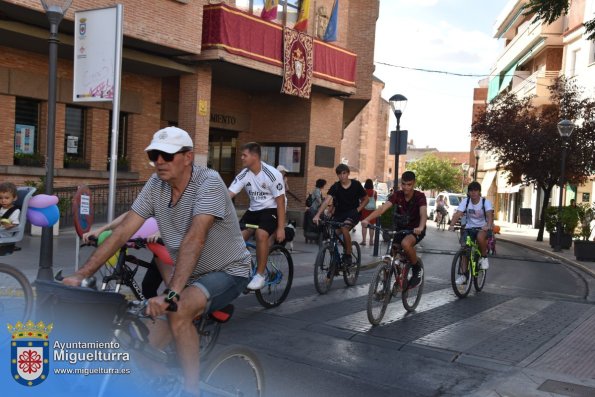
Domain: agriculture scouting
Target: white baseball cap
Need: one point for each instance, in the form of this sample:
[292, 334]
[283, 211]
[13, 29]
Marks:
[281, 168]
[170, 140]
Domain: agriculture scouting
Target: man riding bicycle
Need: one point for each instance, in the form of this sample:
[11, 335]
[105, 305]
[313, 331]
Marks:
[349, 198]
[266, 190]
[411, 207]
[199, 228]
[478, 224]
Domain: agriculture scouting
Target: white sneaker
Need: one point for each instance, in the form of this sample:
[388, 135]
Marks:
[461, 279]
[484, 264]
[257, 282]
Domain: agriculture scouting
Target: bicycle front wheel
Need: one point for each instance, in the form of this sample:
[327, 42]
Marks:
[460, 266]
[351, 273]
[412, 295]
[16, 295]
[278, 278]
[324, 269]
[380, 293]
[235, 371]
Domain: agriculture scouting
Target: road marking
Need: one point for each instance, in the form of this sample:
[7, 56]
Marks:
[395, 311]
[464, 334]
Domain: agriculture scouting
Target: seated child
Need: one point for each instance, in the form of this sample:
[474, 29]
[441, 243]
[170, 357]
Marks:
[9, 213]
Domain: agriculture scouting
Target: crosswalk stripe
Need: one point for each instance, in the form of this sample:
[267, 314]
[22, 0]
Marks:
[463, 334]
[394, 312]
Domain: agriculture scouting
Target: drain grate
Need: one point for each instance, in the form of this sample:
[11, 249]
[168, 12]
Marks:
[566, 389]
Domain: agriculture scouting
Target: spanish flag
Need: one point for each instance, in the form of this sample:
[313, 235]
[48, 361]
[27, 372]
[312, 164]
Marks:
[269, 11]
[302, 22]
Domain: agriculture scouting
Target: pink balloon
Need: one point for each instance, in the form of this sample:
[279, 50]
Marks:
[43, 201]
[147, 229]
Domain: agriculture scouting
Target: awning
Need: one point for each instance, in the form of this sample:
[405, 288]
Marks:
[486, 183]
[507, 78]
[509, 189]
[493, 87]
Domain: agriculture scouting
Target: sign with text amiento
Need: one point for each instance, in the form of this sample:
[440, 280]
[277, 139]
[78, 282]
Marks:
[95, 55]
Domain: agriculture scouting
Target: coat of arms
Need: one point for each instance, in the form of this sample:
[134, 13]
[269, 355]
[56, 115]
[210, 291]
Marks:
[29, 352]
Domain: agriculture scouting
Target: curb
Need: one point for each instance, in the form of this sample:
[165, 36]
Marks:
[561, 258]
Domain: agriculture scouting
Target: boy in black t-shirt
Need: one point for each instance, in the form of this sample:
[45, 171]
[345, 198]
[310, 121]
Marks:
[411, 206]
[349, 198]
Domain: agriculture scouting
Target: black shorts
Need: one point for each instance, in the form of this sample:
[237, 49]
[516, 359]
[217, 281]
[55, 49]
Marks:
[399, 237]
[473, 234]
[351, 216]
[265, 219]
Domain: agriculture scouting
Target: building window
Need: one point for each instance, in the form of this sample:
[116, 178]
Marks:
[287, 10]
[291, 156]
[123, 162]
[74, 139]
[26, 133]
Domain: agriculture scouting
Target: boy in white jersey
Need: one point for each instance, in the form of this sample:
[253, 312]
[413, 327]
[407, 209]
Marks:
[480, 220]
[266, 190]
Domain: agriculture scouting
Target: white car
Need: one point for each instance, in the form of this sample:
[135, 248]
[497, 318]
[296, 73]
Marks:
[431, 201]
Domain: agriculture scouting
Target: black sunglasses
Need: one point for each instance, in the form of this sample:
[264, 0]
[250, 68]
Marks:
[167, 157]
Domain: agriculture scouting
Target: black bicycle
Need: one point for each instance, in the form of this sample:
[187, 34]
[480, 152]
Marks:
[330, 261]
[394, 266]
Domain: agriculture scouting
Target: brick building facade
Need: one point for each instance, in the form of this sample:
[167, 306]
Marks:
[172, 76]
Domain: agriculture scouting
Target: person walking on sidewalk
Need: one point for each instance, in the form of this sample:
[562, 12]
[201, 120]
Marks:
[478, 224]
[266, 190]
[371, 206]
[349, 198]
[410, 213]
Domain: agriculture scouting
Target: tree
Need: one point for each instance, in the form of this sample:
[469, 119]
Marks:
[550, 10]
[526, 141]
[432, 173]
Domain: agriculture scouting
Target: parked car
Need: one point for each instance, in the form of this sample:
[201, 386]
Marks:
[431, 206]
[453, 200]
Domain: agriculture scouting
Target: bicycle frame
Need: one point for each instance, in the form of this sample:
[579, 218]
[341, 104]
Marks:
[472, 248]
[253, 266]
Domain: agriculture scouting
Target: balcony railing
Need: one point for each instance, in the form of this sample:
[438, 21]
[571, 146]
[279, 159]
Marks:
[536, 85]
[241, 34]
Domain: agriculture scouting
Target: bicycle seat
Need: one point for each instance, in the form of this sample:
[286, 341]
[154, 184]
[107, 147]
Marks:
[222, 315]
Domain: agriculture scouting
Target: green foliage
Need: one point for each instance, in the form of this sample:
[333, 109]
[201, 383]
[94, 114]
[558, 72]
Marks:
[586, 216]
[569, 218]
[432, 173]
[550, 10]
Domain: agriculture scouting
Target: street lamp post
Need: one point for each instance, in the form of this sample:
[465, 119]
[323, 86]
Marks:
[465, 168]
[398, 103]
[565, 128]
[55, 10]
[478, 151]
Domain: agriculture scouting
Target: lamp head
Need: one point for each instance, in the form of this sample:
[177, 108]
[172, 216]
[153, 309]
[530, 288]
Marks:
[398, 103]
[478, 151]
[60, 6]
[565, 128]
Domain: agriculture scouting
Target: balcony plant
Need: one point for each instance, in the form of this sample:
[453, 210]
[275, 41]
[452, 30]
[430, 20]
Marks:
[569, 219]
[583, 248]
[29, 159]
[75, 162]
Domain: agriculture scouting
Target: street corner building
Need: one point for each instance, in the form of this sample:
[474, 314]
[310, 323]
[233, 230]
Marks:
[221, 70]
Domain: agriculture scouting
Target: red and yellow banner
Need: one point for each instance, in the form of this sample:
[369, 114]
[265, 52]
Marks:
[298, 50]
[269, 11]
[302, 22]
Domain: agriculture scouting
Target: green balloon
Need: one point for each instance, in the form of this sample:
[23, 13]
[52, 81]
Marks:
[102, 236]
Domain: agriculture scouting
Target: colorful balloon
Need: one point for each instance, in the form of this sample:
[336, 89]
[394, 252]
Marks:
[160, 252]
[147, 229]
[43, 217]
[113, 261]
[43, 201]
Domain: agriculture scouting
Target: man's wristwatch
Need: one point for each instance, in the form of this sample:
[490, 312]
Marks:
[170, 295]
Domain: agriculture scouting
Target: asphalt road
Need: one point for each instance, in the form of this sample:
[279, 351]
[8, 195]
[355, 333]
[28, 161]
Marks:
[324, 346]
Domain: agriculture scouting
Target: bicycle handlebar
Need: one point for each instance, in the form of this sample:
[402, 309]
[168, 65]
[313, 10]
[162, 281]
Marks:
[380, 228]
[334, 223]
[136, 243]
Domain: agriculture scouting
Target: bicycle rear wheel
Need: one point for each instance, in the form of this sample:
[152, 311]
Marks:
[480, 280]
[412, 296]
[235, 371]
[278, 278]
[324, 269]
[461, 290]
[351, 273]
[380, 293]
[16, 295]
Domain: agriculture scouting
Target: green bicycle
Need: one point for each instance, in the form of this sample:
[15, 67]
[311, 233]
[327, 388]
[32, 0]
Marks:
[466, 262]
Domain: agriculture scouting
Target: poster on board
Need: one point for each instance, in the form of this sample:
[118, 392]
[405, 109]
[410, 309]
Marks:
[94, 55]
